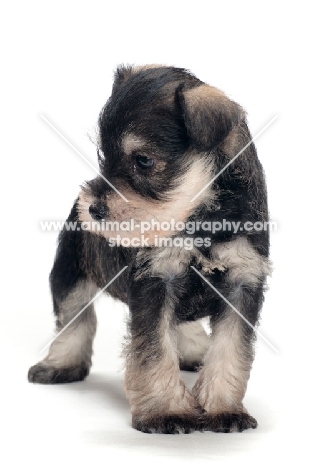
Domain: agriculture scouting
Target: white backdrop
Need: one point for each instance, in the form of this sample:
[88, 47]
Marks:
[58, 60]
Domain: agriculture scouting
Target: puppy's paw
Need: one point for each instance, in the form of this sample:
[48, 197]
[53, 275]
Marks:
[47, 374]
[228, 422]
[167, 424]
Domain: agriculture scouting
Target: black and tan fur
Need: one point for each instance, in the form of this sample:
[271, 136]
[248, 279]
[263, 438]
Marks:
[190, 131]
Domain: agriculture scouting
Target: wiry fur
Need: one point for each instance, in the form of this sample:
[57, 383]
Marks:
[190, 131]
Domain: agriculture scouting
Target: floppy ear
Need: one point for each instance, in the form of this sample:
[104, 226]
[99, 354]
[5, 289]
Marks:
[209, 115]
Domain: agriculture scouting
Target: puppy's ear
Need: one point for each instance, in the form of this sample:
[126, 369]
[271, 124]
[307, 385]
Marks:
[209, 115]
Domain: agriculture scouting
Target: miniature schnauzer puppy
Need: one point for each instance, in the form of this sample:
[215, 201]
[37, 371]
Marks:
[166, 150]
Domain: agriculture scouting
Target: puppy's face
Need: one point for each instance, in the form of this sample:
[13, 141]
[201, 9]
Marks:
[157, 133]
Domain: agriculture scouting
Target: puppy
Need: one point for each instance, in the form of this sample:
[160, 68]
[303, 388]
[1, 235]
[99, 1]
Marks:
[166, 149]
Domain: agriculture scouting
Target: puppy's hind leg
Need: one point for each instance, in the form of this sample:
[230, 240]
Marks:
[193, 343]
[69, 357]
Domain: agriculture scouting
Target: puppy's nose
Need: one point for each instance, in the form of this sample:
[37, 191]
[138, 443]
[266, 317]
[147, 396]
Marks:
[98, 212]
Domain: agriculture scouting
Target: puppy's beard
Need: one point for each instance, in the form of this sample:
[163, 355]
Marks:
[140, 212]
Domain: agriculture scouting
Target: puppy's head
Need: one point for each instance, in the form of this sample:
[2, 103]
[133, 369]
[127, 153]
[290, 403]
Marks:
[157, 134]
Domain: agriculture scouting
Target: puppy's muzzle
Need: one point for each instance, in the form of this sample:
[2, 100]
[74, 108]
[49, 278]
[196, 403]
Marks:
[98, 211]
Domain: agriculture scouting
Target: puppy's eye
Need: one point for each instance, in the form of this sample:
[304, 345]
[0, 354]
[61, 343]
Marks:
[143, 162]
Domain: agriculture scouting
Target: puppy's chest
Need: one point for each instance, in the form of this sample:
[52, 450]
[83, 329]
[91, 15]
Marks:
[169, 262]
[165, 262]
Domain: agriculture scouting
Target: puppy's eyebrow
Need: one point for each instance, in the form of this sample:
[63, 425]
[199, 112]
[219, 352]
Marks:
[131, 143]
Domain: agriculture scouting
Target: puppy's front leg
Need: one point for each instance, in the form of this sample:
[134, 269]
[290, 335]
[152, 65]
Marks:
[158, 398]
[222, 381]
